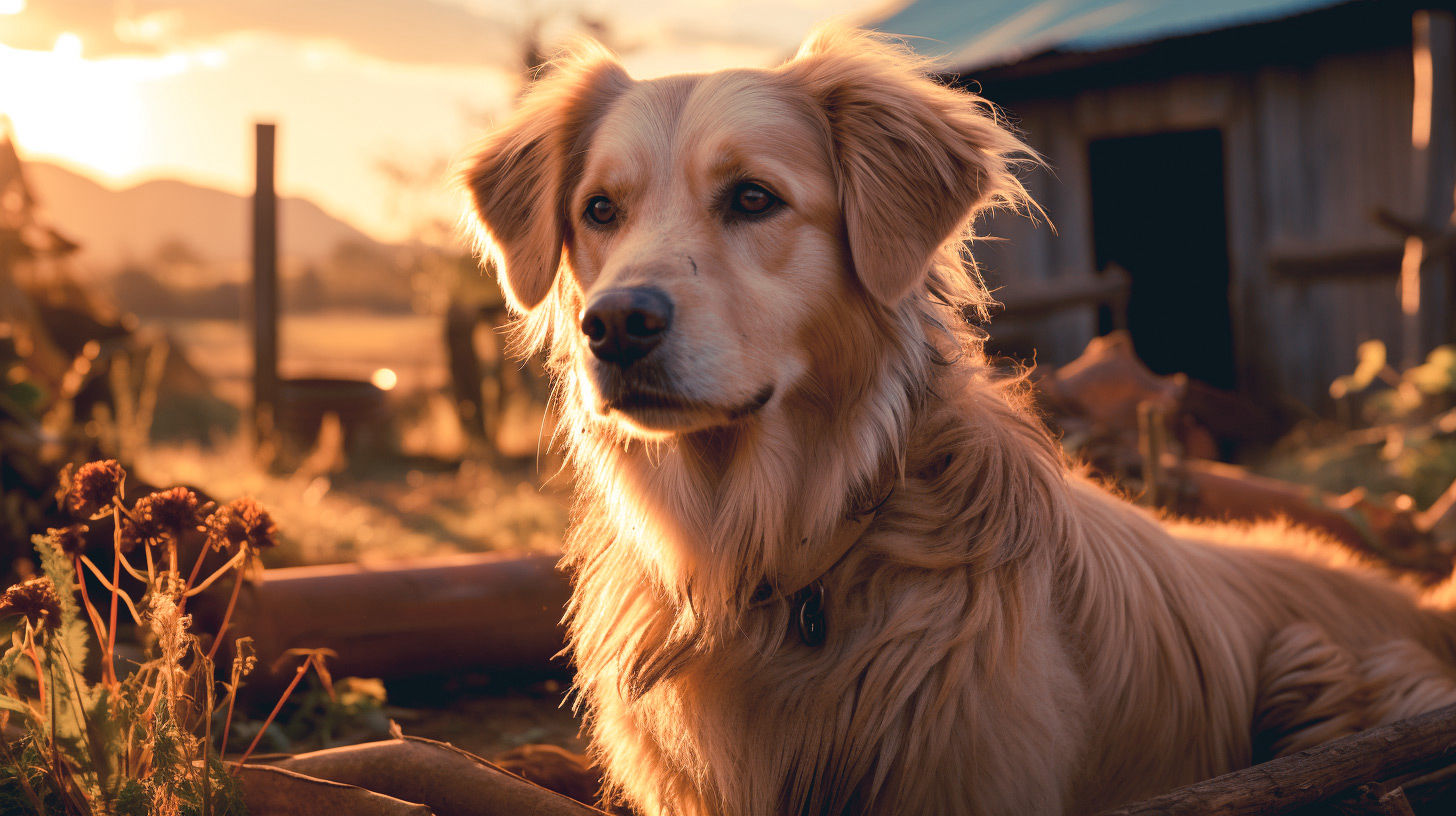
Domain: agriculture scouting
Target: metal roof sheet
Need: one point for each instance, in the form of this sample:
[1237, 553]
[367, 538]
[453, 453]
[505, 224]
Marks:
[968, 34]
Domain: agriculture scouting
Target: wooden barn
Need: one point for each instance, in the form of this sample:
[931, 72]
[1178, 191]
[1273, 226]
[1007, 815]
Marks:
[1235, 181]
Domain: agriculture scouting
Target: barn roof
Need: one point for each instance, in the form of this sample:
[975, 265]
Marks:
[971, 34]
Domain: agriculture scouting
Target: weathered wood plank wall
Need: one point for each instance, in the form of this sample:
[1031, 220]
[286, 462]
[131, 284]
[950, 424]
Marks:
[1310, 152]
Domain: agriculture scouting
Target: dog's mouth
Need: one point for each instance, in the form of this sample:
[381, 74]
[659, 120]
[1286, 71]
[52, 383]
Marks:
[656, 409]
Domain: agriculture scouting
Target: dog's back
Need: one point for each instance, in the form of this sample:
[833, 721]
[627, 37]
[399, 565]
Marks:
[1191, 632]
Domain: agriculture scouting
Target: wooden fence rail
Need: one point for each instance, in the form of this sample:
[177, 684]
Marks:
[1331, 772]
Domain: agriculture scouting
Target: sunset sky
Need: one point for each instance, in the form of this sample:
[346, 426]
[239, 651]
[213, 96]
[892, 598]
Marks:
[127, 90]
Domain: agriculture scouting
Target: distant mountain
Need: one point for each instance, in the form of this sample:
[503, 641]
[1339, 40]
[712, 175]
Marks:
[116, 226]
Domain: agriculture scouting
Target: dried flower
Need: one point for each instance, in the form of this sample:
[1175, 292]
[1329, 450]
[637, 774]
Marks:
[130, 534]
[172, 510]
[159, 518]
[241, 523]
[90, 491]
[71, 538]
[35, 599]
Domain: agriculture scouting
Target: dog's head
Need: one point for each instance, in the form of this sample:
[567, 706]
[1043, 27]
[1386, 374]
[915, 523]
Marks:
[712, 223]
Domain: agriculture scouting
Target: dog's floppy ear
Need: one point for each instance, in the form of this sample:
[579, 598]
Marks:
[915, 161]
[520, 176]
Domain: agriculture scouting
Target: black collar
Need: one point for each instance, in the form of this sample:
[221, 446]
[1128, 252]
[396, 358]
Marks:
[804, 587]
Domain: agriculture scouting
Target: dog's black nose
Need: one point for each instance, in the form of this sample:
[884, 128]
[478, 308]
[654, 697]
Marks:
[623, 325]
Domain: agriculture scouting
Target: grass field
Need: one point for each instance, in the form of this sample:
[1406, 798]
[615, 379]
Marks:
[385, 511]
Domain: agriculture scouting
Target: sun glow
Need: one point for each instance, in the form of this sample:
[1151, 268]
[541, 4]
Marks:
[68, 46]
[70, 102]
[171, 90]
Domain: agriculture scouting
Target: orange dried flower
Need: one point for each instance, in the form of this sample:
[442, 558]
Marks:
[71, 538]
[90, 491]
[159, 518]
[172, 510]
[35, 599]
[241, 523]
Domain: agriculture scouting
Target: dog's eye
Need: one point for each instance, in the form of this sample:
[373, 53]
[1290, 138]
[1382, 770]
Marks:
[601, 210]
[751, 199]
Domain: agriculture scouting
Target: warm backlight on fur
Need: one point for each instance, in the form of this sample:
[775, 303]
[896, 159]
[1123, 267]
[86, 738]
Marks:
[741, 379]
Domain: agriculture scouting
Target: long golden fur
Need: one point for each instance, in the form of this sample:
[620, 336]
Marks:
[1005, 637]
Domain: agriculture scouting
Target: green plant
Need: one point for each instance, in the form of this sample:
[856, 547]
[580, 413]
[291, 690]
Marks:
[1410, 393]
[1397, 437]
[127, 743]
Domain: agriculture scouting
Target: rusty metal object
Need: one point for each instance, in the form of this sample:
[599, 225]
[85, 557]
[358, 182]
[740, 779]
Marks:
[439, 615]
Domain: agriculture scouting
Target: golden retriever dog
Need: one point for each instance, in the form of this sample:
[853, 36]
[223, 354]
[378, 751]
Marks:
[826, 559]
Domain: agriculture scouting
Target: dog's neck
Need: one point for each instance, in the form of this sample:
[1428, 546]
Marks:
[710, 516]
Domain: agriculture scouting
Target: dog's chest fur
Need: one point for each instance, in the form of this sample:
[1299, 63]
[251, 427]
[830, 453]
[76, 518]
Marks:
[1003, 640]
[757, 721]
[698, 707]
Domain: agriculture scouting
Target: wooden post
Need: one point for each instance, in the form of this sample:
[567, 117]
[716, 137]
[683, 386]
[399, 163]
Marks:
[1425, 286]
[265, 286]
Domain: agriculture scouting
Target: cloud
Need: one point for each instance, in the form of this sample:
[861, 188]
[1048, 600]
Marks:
[405, 31]
[424, 32]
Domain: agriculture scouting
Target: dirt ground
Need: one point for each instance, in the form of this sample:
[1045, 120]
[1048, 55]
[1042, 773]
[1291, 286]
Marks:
[487, 719]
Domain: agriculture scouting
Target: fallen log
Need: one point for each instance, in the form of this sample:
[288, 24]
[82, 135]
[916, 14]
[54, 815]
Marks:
[269, 791]
[1320, 774]
[554, 768]
[496, 612]
[1402, 537]
[1218, 490]
[447, 780]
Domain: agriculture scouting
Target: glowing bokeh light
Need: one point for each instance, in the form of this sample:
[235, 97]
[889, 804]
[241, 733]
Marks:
[12, 6]
[384, 379]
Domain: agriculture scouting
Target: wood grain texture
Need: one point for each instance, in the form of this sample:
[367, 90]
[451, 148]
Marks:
[451, 782]
[1312, 148]
[1316, 775]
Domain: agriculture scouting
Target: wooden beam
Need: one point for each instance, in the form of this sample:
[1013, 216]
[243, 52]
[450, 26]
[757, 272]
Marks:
[265, 284]
[1319, 262]
[1319, 774]
[1032, 300]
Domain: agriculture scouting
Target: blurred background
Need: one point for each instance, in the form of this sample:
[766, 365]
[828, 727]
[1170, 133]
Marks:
[231, 256]
[128, 150]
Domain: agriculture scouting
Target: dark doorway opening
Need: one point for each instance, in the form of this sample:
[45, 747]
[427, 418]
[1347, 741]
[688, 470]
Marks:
[1158, 212]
